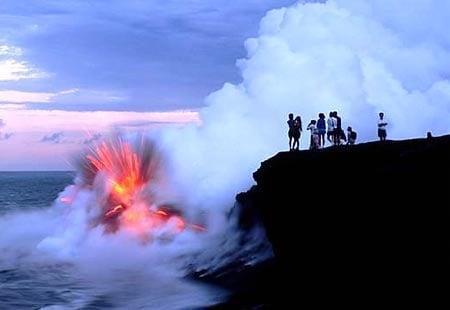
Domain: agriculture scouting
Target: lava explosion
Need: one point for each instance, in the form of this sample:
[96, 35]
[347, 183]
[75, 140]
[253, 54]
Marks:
[126, 178]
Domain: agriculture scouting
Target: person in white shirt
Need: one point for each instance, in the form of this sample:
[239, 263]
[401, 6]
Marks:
[331, 122]
[382, 132]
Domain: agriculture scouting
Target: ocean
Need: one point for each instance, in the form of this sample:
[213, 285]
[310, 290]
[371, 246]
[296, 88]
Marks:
[32, 280]
[21, 191]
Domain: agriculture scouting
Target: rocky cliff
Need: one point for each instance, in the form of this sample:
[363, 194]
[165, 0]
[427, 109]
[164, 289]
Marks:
[364, 222]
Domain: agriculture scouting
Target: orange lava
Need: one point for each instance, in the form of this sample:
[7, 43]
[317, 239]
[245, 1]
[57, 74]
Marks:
[127, 173]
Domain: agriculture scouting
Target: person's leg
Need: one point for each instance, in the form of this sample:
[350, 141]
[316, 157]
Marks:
[383, 135]
[290, 143]
[298, 141]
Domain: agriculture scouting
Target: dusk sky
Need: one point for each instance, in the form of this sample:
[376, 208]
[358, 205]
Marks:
[132, 63]
[72, 71]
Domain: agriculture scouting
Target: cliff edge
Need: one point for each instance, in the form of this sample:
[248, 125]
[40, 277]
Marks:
[349, 222]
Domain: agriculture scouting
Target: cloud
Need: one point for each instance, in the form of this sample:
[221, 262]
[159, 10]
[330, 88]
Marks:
[147, 123]
[93, 138]
[27, 151]
[13, 68]
[356, 57]
[13, 96]
[6, 136]
[6, 50]
[162, 55]
[54, 138]
[11, 106]
[78, 99]
[38, 120]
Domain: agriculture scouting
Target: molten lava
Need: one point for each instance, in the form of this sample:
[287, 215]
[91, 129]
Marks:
[128, 173]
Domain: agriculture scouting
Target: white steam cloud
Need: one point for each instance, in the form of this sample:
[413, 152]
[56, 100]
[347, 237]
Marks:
[357, 57]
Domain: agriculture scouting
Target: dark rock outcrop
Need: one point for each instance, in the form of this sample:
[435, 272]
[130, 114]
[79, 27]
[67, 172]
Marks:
[365, 222]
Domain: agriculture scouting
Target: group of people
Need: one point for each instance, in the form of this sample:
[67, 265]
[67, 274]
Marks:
[332, 128]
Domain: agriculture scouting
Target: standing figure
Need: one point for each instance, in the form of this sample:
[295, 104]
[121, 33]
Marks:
[331, 122]
[297, 133]
[290, 123]
[351, 136]
[382, 133]
[314, 143]
[339, 133]
[321, 127]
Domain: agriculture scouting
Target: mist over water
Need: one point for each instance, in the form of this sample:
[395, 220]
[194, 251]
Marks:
[356, 57]
[50, 259]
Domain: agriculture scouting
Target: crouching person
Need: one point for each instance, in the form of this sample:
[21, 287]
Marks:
[351, 136]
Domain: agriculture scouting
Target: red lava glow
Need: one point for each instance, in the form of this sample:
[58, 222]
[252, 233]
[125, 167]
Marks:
[128, 170]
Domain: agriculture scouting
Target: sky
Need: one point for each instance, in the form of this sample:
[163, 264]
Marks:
[72, 70]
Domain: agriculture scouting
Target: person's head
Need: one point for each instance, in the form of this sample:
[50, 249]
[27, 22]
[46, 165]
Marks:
[335, 114]
[298, 118]
[331, 114]
[349, 128]
[321, 115]
[313, 121]
[381, 115]
[291, 116]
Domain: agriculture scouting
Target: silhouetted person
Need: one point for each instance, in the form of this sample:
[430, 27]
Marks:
[331, 122]
[322, 129]
[297, 133]
[338, 132]
[429, 135]
[351, 136]
[290, 123]
[382, 133]
[314, 143]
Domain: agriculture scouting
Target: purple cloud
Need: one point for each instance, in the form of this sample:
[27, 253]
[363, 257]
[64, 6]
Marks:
[54, 138]
[6, 136]
[93, 138]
